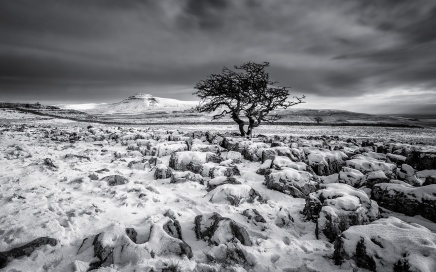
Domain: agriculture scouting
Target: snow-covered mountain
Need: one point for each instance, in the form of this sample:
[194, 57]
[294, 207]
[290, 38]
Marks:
[135, 104]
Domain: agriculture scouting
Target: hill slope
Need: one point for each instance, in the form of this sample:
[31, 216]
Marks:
[138, 103]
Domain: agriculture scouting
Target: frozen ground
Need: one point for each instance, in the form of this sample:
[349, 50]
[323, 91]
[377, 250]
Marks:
[69, 200]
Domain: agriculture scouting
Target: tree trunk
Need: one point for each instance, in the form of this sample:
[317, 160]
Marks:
[240, 123]
[251, 125]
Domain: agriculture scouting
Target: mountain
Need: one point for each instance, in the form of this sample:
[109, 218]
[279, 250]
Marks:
[135, 104]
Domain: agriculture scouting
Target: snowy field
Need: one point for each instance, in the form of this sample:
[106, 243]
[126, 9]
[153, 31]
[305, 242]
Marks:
[143, 199]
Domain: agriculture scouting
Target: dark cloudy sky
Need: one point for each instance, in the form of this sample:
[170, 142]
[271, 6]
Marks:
[376, 56]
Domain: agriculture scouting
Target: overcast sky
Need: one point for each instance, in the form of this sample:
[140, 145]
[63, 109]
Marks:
[376, 56]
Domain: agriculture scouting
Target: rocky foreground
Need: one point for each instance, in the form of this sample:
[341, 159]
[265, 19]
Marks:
[137, 199]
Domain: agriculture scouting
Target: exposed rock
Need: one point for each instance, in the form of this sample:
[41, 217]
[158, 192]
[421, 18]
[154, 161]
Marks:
[48, 162]
[235, 156]
[351, 177]
[233, 194]
[429, 180]
[115, 180]
[178, 177]
[72, 156]
[252, 151]
[422, 159]
[284, 218]
[282, 162]
[265, 168]
[162, 172]
[217, 230]
[268, 154]
[408, 175]
[181, 160]
[230, 254]
[338, 206]
[325, 162]
[102, 170]
[206, 148]
[167, 148]
[215, 182]
[219, 171]
[367, 164]
[254, 214]
[395, 159]
[388, 245]
[375, 177]
[407, 199]
[139, 165]
[93, 176]
[291, 182]
[24, 250]
[118, 245]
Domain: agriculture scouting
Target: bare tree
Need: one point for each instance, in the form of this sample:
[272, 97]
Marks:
[247, 92]
[318, 119]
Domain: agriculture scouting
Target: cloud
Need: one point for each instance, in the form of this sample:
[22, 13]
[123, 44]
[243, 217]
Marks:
[331, 48]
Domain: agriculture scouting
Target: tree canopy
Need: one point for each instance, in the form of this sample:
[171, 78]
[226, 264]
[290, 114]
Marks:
[247, 93]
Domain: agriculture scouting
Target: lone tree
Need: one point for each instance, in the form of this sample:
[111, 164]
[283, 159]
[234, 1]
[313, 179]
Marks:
[246, 93]
[318, 119]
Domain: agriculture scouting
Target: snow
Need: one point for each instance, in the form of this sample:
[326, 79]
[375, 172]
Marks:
[389, 240]
[368, 164]
[137, 103]
[64, 203]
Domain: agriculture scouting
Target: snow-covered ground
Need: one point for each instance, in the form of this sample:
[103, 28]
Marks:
[55, 181]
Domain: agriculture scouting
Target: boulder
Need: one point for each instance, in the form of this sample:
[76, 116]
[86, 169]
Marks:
[178, 177]
[338, 206]
[180, 160]
[218, 230]
[215, 182]
[429, 176]
[284, 218]
[230, 254]
[114, 180]
[292, 182]
[368, 164]
[325, 162]
[293, 154]
[265, 168]
[352, 177]
[252, 151]
[48, 162]
[404, 198]
[139, 165]
[202, 147]
[388, 244]
[25, 250]
[162, 172]
[167, 148]
[395, 159]
[227, 171]
[407, 174]
[281, 162]
[235, 156]
[375, 177]
[233, 194]
[253, 214]
[424, 159]
[117, 245]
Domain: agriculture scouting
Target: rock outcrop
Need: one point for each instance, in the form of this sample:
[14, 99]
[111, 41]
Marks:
[388, 244]
[404, 198]
[338, 206]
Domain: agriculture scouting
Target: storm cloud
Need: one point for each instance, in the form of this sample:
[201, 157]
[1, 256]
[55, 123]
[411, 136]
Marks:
[330, 50]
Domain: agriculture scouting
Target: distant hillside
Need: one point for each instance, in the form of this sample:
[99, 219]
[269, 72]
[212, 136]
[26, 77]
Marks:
[136, 104]
[146, 109]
